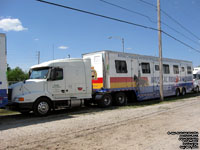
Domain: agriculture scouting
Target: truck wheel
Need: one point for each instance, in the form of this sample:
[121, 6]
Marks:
[42, 107]
[120, 99]
[183, 91]
[177, 92]
[105, 101]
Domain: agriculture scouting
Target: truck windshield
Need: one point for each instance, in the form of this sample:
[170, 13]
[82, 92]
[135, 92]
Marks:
[39, 73]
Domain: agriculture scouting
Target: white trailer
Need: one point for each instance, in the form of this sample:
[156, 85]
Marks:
[196, 79]
[103, 78]
[3, 69]
[125, 75]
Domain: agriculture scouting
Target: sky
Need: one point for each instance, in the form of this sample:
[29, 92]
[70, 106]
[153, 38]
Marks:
[31, 26]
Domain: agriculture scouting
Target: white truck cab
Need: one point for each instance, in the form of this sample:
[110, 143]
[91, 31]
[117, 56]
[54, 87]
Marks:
[52, 84]
[196, 79]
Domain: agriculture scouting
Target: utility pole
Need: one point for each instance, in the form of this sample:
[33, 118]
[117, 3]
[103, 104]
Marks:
[160, 51]
[38, 56]
[123, 44]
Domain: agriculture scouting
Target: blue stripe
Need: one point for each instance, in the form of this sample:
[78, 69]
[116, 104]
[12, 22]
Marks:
[150, 92]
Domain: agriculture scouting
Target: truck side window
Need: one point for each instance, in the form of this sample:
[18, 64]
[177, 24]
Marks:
[120, 66]
[175, 69]
[166, 69]
[146, 68]
[58, 74]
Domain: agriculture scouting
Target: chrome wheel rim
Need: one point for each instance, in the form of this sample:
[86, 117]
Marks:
[43, 107]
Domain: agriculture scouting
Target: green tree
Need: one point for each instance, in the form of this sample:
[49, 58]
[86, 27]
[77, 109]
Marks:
[16, 74]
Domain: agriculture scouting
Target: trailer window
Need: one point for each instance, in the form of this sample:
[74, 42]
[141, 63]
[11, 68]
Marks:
[166, 69]
[120, 66]
[145, 68]
[189, 70]
[157, 67]
[176, 69]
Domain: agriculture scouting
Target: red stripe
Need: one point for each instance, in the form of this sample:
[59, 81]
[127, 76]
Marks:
[121, 79]
[99, 80]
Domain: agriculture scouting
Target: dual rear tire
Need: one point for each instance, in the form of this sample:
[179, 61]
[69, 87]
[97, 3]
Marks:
[120, 99]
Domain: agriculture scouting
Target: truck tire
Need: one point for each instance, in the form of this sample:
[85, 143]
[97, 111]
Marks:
[183, 91]
[177, 92]
[42, 107]
[105, 101]
[120, 99]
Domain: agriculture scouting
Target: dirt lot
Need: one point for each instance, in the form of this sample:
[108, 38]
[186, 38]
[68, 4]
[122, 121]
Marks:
[114, 129]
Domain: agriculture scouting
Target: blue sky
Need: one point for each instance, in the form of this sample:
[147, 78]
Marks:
[32, 26]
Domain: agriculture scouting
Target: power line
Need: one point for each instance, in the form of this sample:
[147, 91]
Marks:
[145, 2]
[119, 20]
[150, 19]
[99, 15]
[135, 12]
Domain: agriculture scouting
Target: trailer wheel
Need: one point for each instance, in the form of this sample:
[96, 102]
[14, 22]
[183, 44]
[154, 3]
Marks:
[183, 91]
[120, 99]
[42, 107]
[105, 101]
[177, 92]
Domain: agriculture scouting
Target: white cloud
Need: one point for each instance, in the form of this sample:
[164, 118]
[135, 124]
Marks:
[63, 47]
[8, 24]
[36, 39]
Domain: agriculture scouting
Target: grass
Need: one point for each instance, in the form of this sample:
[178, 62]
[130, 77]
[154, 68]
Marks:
[4, 112]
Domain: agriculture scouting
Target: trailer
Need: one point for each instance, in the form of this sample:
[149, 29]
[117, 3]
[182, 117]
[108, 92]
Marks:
[103, 78]
[123, 75]
[3, 69]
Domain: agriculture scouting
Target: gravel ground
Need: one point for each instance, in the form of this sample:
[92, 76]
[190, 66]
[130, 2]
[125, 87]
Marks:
[129, 128]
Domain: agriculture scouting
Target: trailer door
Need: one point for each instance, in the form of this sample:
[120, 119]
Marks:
[134, 73]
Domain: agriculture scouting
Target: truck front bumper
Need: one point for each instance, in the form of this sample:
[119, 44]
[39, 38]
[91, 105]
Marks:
[20, 106]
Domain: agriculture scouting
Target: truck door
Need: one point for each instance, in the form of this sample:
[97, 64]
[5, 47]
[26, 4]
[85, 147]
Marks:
[56, 87]
[75, 79]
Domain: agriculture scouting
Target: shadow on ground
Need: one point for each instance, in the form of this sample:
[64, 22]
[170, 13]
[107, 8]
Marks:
[20, 120]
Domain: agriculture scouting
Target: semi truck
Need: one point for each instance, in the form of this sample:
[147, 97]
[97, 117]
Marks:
[3, 69]
[103, 78]
[196, 79]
